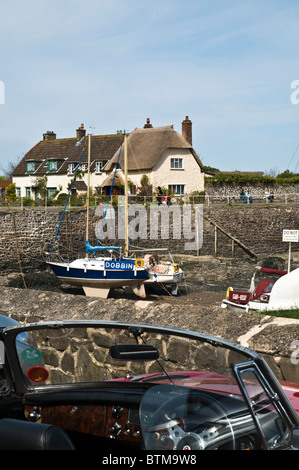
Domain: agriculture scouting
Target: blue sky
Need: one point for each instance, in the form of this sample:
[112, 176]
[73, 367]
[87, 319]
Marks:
[111, 64]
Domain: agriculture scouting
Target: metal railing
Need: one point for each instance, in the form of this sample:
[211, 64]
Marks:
[207, 199]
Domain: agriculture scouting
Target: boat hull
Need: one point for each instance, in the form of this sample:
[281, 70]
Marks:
[166, 279]
[98, 277]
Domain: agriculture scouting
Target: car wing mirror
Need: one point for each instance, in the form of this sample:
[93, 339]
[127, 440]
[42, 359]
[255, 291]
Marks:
[134, 352]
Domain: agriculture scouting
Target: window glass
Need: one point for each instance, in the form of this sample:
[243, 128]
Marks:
[52, 165]
[30, 166]
[177, 189]
[71, 167]
[51, 191]
[176, 163]
[99, 166]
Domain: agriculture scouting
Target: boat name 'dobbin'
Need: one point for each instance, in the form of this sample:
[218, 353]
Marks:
[123, 265]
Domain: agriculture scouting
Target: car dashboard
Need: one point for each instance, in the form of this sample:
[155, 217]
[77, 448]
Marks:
[121, 418]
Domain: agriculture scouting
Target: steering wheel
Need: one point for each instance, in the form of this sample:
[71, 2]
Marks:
[192, 421]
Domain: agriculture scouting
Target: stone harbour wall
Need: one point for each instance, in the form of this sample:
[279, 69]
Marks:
[227, 231]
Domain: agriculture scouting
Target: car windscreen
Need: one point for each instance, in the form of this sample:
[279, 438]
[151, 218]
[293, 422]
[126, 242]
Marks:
[74, 355]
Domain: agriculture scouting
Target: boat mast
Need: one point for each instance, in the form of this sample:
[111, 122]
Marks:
[88, 186]
[126, 198]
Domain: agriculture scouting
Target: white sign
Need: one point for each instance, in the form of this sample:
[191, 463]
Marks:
[290, 235]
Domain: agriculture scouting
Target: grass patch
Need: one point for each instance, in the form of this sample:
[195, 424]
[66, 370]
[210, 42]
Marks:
[291, 313]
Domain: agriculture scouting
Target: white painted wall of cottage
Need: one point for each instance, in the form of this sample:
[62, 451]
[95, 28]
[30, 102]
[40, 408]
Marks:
[191, 175]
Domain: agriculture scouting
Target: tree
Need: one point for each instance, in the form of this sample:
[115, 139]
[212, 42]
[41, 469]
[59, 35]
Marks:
[11, 192]
[41, 186]
[11, 166]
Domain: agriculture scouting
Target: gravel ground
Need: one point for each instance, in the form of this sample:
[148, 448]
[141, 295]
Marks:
[189, 292]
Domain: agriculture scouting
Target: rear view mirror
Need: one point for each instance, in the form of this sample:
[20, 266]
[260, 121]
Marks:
[134, 352]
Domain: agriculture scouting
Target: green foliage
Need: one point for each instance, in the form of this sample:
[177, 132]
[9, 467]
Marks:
[144, 181]
[61, 199]
[115, 201]
[287, 174]
[41, 186]
[210, 169]
[11, 192]
[242, 179]
[28, 202]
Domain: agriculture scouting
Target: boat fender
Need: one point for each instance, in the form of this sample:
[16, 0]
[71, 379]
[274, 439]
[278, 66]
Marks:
[139, 263]
[228, 291]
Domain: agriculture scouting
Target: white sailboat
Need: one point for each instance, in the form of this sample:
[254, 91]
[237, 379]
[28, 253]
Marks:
[97, 275]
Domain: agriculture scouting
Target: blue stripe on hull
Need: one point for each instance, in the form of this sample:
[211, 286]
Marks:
[98, 275]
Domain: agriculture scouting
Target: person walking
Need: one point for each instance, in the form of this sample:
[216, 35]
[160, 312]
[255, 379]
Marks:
[159, 195]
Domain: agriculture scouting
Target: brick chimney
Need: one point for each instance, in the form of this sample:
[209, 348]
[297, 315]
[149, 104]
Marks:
[80, 132]
[49, 135]
[187, 130]
[148, 124]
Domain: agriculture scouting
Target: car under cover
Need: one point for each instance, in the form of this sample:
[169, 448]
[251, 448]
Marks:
[136, 387]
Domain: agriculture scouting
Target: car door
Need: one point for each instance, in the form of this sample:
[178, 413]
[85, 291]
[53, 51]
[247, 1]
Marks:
[268, 411]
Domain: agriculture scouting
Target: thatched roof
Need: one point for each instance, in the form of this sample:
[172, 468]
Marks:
[109, 180]
[146, 146]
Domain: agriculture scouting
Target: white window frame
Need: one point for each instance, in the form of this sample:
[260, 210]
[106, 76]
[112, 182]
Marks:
[30, 167]
[71, 167]
[176, 163]
[83, 167]
[99, 166]
[53, 165]
[177, 189]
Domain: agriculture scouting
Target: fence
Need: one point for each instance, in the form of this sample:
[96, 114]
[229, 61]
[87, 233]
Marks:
[207, 199]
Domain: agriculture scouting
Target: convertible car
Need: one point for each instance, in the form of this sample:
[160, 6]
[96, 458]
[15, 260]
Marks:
[128, 387]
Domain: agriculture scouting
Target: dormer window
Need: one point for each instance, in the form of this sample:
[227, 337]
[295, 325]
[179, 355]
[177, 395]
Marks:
[30, 167]
[52, 165]
[71, 168]
[83, 167]
[100, 165]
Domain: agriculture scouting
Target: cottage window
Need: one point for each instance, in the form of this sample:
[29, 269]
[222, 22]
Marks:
[176, 164]
[30, 167]
[18, 193]
[177, 189]
[50, 192]
[83, 167]
[71, 168]
[53, 165]
[99, 166]
[28, 192]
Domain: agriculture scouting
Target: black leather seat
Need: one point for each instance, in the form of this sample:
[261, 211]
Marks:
[24, 435]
